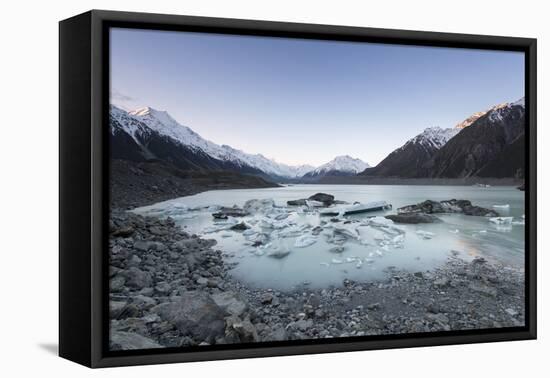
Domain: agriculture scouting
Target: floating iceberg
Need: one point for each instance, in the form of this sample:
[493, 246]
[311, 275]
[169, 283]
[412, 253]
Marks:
[357, 208]
[255, 206]
[501, 220]
[426, 235]
[305, 241]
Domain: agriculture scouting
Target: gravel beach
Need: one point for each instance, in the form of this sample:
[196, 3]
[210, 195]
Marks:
[171, 289]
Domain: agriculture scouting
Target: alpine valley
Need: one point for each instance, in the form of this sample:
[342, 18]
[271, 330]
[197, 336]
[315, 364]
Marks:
[154, 155]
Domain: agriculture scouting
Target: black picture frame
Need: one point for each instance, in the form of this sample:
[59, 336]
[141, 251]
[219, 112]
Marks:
[83, 180]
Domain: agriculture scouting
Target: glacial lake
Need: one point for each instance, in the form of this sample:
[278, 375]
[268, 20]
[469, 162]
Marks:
[368, 244]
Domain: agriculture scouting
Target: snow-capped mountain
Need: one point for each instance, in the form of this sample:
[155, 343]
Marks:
[407, 160]
[492, 146]
[143, 123]
[269, 166]
[471, 119]
[433, 137]
[339, 166]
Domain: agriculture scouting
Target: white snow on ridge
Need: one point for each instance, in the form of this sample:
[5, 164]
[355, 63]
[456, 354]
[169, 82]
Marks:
[164, 124]
[269, 165]
[127, 123]
[471, 119]
[343, 163]
[434, 137]
[497, 113]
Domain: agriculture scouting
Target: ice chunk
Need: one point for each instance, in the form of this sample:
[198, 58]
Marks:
[324, 264]
[455, 231]
[255, 206]
[426, 235]
[336, 261]
[305, 241]
[380, 221]
[501, 220]
[503, 207]
[313, 203]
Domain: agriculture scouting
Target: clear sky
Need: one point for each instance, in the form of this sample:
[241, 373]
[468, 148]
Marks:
[303, 101]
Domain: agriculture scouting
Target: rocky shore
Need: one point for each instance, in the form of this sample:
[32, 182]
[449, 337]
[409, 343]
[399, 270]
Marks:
[134, 184]
[170, 289]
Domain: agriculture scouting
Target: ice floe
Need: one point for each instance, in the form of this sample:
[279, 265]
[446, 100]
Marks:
[501, 220]
[305, 241]
[425, 234]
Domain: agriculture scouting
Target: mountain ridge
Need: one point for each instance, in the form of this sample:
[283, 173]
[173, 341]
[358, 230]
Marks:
[150, 122]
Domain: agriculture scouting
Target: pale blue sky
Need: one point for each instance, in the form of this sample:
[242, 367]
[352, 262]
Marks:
[305, 101]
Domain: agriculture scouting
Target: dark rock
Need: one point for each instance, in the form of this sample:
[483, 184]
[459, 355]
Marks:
[483, 289]
[327, 199]
[299, 202]
[123, 231]
[117, 283]
[231, 303]
[413, 218]
[115, 308]
[448, 206]
[144, 246]
[137, 278]
[243, 328]
[277, 334]
[240, 227]
[266, 298]
[226, 212]
[195, 314]
[129, 341]
[478, 260]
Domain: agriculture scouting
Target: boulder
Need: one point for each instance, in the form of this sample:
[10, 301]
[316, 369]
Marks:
[115, 308]
[128, 341]
[266, 298]
[137, 278]
[194, 314]
[240, 227]
[448, 206]
[230, 302]
[277, 334]
[244, 329]
[413, 218]
[327, 199]
[123, 232]
[117, 283]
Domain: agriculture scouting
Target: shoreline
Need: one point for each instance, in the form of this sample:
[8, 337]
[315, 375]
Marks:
[169, 288]
[135, 185]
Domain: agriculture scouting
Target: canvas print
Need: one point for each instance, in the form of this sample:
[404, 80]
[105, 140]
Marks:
[266, 190]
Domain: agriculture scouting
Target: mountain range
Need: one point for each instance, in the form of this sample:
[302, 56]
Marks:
[149, 134]
[486, 144]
